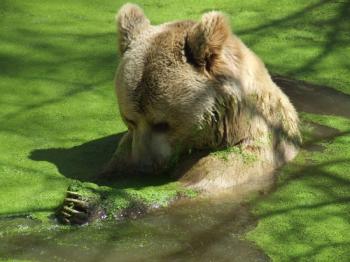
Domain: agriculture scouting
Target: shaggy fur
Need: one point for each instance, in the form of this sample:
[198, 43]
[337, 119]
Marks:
[191, 85]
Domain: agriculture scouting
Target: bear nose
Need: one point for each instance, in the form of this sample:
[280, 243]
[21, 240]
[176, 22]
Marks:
[151, 166]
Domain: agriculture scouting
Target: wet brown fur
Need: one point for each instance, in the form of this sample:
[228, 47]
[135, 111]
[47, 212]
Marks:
[209, 91]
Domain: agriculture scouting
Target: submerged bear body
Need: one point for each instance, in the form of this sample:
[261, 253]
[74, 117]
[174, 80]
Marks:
[188, 86]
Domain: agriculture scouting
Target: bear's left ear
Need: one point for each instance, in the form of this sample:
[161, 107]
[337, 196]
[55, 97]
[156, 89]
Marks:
[131, 21]
[207, 38]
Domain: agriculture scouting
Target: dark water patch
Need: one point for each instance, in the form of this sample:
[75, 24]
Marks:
[315, 148]
[315, 99]
[319, 133]
[323, 132]
[206, 229]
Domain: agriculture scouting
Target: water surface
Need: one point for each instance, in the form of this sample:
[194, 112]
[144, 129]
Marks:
[205, 229]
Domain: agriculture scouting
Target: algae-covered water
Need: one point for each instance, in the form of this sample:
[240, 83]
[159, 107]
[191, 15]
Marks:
[208, 228]
[205, 229]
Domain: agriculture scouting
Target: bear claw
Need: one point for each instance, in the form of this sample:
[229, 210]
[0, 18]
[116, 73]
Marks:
[74, 209]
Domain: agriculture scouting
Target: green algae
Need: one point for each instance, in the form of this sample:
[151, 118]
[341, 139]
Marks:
[223, 154]
[119, 200]
[57, 69]
[58, 111]
[306, 218]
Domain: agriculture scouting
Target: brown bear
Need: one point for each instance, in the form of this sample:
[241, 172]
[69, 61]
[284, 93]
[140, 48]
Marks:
[187, 86]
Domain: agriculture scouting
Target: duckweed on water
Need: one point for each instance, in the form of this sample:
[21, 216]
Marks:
[58, 115]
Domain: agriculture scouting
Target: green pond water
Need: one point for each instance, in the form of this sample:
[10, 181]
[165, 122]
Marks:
[205, 229]
[208, 228]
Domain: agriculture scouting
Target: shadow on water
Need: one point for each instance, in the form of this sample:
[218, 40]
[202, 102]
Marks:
[82, 162]
[85, 161]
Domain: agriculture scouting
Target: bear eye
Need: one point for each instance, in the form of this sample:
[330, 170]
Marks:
[161, 127]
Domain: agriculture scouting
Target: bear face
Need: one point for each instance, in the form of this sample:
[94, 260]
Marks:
[164, 92]
[194, 85]
[165, 98]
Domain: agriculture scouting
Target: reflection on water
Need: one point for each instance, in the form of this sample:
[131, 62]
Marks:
[191, 230]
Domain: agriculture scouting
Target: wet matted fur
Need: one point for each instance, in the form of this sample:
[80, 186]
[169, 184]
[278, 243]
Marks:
[189, 85]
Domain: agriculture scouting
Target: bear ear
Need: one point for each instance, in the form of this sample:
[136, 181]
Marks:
[131, 21]
[206, 39]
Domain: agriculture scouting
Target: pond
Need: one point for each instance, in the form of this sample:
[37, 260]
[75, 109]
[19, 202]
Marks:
[205, 229]
[202, 229]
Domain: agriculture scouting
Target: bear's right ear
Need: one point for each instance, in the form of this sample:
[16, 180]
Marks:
[131, 21]
[206, 40]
